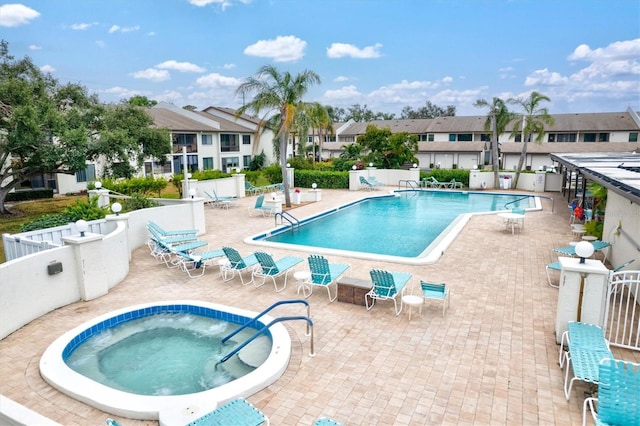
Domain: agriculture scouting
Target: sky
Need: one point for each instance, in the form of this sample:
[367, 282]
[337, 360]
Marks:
[383, 54]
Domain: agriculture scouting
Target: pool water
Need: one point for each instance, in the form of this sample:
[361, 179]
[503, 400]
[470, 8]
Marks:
[402, 225]
[162, 354]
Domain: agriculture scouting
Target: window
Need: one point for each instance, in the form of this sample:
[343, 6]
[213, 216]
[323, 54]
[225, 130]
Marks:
[487, 138]
[207, 140]
[207, 163]
[229, 143]
[192, 161]
[88, 174]
[348, 139]
[310, 139]
[184, 139]
[246, 161]
[562, 137]
[246, 139]
[603, 137]
[633, 137]
[460, 137]
[330, 138]
[593, 137]
[426, 138]
[518, 138]
[589, 137]
[229, 163]
[155, 168]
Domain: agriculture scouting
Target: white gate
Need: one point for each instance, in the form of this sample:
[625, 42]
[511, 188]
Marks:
[622, 314]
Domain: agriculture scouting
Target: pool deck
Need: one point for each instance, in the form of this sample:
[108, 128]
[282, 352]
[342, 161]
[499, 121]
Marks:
[492, 359]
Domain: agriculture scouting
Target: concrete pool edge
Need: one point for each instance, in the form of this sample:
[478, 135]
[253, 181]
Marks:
[430, 255]
[169, 410]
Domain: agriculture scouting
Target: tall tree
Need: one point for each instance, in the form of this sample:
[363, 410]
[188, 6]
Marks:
[531, 121]
[388, 150]
[498, 117]
[142, 101]
[321, 122]
[282, 93]
[337, 114]
[428, 111]
[46, 127]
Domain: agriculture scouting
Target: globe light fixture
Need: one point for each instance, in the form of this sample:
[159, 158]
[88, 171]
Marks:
[288, 165]
[415, 166]
[188, 176]
[354, 167]
[370, 164]
[98, 185]
[584, 249]
[192, 192]
[82, 226]
[116, 208]
[314, 185]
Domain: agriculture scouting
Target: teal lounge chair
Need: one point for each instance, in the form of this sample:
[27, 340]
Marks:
[618, 401]
[237, 264]
[387, 285]
[273, 269]
[259, 207]
[250, 189]
[237, 412]
[326, 421]
[324, 274]
[222, 202]
[195, 263]
[369, 185]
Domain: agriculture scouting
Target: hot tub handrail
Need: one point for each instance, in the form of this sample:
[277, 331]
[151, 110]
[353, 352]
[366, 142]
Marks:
[254, 319]
[237, 349]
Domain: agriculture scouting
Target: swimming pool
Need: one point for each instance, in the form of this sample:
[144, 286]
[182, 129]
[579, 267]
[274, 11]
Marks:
[169, 409]
[411, 227]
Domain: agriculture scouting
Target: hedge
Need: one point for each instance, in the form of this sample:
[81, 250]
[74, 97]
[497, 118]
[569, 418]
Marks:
[29, 194]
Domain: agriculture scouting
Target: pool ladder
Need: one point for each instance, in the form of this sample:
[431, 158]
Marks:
[253, 321]
[289, 218]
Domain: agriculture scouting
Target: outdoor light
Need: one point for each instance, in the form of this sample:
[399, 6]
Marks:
[188, 176]
[370, 164]
[82, 226]
[415, 166]
[288, 165]
[98, 185]
[314, 185]
[238, 169]
[584, 249]
[273, 195]
[116, 208]
[192, 192]
[354, 167]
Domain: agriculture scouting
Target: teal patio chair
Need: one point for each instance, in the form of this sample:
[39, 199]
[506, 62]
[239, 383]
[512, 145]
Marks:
[618, 401]
[237, 264]
[436, 291]
[387, 286]
[195, 263]
[237, 412]
[259, 207]
[326, 421]
[221, 202]
[324, 273]
[270, 268]
[369, 185]
[250, 189]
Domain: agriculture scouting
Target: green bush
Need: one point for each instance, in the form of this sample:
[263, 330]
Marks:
[328, 180]
[147, 185]
[445, 175]
[78, 210]
[137, 202]
[29, 194]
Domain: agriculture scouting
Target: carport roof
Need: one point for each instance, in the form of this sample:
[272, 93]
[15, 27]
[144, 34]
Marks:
[617, 171]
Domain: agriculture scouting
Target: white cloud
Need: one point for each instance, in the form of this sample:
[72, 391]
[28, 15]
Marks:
[116, 28]
[340, 79]
[152, 74]
[447, 80]
[228, 66]
[47, 68]
[35, 47]
[545, 77]
[170, 96]
[180, 66]
[82, 26]
[347, 93]
[100, 43]
[628, 49]
[282, 49]
[222, 3]
[123, 93]
[215, 80]
[14, 15]
[340, 50]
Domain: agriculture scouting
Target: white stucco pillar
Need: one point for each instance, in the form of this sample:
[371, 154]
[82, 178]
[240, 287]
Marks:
[92, 276]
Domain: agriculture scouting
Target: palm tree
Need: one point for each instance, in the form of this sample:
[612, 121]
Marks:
[531, 121]
[320, 121]
[498, 118]
[282, 93]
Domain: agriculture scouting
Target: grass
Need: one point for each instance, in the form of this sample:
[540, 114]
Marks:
[28, 211]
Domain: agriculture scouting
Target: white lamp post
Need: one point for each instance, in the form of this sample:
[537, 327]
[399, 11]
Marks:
[314, 186]
[584, 249]
[82, 226]
[116, 208]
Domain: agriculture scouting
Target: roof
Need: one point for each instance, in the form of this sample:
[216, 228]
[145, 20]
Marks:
[616, 171]
[166, 116]
[226, 125]
[568, 147]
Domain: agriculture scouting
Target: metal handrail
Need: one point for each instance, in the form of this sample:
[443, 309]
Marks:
[259, 332]
[553, 207]
[254, 319]
[288, 217]
[409, 183]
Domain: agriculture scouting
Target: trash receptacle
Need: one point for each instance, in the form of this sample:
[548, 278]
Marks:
[507, 182]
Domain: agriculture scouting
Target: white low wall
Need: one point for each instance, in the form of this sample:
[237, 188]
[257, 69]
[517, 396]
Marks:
[91, 265]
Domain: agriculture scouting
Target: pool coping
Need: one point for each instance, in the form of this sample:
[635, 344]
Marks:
[430, 255]
[169, 410]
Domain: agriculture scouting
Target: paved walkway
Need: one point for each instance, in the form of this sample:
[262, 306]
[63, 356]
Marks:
[491, 360]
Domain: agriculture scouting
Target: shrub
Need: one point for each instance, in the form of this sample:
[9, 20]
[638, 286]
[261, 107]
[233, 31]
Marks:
[78, 210]
[29, 194]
